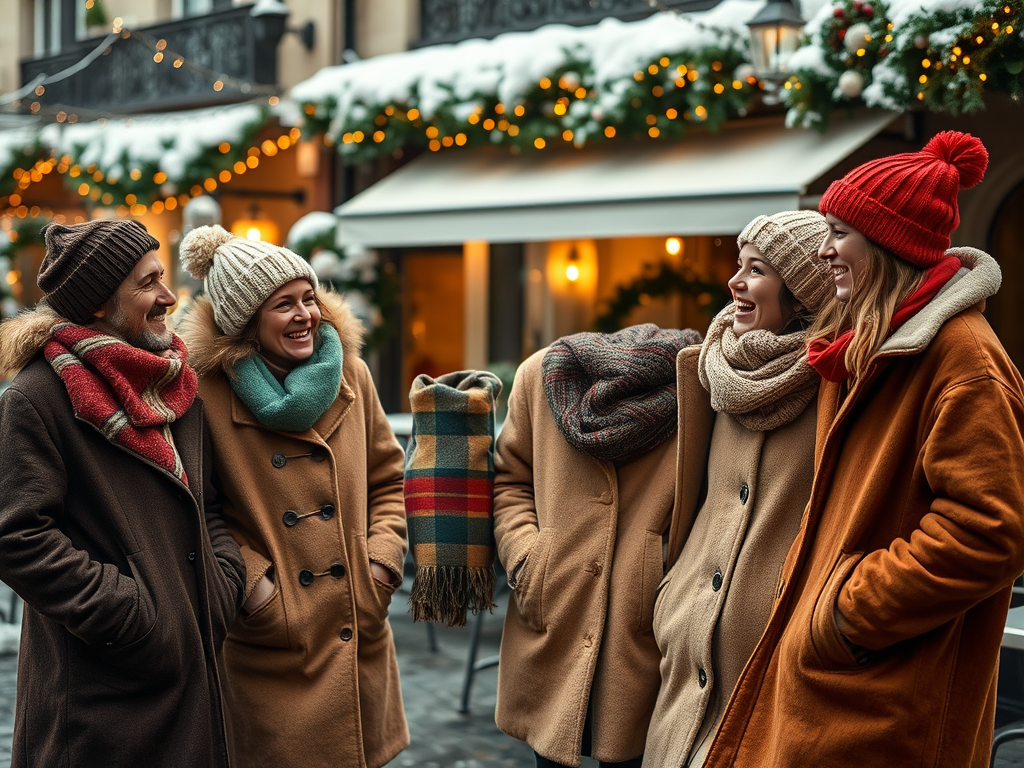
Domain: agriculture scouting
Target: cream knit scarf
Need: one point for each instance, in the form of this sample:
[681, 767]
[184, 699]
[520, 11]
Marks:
[762, 380]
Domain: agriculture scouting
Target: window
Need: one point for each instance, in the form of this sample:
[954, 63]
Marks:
[182, 8]
[47, 27]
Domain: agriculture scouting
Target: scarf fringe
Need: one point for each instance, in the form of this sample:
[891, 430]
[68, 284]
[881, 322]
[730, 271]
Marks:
[444, 593]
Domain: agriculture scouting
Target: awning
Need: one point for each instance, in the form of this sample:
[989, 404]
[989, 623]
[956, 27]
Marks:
[704, 184]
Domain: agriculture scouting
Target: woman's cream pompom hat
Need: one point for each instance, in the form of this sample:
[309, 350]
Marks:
[239, 274]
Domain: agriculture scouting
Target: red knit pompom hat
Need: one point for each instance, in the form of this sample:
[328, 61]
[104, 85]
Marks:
[907, 203]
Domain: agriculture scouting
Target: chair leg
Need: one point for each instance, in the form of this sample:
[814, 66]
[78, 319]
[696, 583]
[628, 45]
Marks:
[1000, 739]
[474, 644]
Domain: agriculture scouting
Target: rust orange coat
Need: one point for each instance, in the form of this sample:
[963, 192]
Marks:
[915, 531]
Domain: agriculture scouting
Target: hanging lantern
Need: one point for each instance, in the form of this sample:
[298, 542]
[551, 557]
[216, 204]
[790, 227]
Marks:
[774, 37]
[257, 228]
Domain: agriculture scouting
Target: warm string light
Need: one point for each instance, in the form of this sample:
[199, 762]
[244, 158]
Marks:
[130, 203]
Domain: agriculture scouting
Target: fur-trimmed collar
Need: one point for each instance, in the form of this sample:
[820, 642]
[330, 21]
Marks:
[978, 279]
[23, 336]
[209, 347]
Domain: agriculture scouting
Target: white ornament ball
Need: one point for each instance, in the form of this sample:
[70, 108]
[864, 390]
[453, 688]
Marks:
[167, 189]
[851, 83]
[743, 72]
[857, 36]
[597, 113]
[921, 41]
[571, 80]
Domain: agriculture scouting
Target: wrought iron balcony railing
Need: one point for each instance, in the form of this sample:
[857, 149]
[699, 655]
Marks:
[230, 45]
[446, 21]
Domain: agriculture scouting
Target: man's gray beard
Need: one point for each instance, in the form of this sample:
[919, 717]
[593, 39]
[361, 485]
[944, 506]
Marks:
[145, 338]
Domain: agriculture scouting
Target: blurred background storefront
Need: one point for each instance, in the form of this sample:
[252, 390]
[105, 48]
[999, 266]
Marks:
[482, 177]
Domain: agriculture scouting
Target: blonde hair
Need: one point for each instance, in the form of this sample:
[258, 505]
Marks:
[886, 282]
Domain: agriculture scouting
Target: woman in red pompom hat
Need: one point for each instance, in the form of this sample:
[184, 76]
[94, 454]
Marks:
[884, 643]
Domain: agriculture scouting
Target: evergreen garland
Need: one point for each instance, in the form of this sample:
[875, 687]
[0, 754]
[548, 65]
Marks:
[659, 282]
[568, 107]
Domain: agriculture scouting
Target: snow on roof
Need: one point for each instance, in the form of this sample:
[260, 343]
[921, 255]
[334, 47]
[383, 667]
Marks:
[171, 141]
[513, 62]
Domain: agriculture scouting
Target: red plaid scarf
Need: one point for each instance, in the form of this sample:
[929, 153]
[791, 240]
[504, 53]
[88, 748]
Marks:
[130, 395]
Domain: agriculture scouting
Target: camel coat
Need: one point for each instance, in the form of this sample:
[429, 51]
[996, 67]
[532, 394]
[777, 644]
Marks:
[716, 599]
[915, 533]
[311, 675]
[583, 543]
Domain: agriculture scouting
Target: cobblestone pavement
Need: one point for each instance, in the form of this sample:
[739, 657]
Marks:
[431, 687]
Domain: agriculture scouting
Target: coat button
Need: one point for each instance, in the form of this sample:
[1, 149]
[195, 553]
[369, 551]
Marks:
[327, 511]
[597, 569]
[346, 634]
[702, 678]
[278, 460]
[337, 570]
[318, 454]
[191, 557]
[291, 517]
[744, 493]
[306, 577]
[716, 581]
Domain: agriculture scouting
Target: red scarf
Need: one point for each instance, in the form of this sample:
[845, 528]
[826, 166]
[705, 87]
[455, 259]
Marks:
[828, 358]
[130, 395]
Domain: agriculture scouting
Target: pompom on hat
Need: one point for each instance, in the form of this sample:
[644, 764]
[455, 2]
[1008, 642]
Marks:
[239, 274]
[907, 203]
[789, 241]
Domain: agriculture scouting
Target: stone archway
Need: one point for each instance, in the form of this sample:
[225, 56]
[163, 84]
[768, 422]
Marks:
[1006, 244]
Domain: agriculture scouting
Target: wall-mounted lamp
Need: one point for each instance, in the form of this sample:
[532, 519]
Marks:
[774, 37]
[257, 227]
[673, 246]
[572, 267]
[271, 17]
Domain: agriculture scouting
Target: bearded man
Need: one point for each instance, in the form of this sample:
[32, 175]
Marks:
[109, 524]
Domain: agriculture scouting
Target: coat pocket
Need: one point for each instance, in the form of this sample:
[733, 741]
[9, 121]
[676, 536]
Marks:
[652, 574]
[530, 581]
[832, 650]
[659, 601]
[267, 626]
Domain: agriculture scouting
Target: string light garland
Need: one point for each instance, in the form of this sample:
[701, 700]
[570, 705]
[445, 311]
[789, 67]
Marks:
[564, 108]
[145, 188]
[945, 61]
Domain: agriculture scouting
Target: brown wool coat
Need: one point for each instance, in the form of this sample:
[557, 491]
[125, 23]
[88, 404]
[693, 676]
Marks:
[588, 539]
[915, 530]
[130, 580]
[716, 599]
[312, 677]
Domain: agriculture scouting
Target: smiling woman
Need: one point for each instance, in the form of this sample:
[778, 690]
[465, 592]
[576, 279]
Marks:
[311, 476]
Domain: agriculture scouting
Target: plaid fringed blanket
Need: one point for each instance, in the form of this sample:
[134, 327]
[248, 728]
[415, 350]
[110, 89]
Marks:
[449, 495]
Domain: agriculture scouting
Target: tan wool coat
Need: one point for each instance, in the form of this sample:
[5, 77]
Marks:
[915, 533]
[584, 543]
[311, 675]
[716, 599]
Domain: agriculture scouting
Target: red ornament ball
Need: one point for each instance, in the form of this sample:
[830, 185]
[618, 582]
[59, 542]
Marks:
[867, 9]
[838, 13]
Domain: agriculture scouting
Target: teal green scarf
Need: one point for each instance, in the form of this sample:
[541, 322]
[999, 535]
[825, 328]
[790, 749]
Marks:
[308, 390]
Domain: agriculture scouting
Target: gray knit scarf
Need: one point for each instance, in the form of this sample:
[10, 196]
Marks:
[613, 396]
[762, 380]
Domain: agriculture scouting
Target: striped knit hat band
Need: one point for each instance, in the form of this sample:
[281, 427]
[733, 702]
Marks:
[907, 203]
[86, 263]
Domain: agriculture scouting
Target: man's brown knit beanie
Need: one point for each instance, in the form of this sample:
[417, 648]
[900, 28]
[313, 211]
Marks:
[85, 263]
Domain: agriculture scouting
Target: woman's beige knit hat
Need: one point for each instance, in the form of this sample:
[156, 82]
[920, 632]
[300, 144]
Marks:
[789, 241]
[239, 274]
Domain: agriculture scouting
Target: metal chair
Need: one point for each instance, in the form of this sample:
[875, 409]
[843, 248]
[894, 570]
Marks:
[473, 664]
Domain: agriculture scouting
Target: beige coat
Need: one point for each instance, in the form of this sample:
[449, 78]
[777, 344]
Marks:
[312, 678]
[715, 601]
[588, 539]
